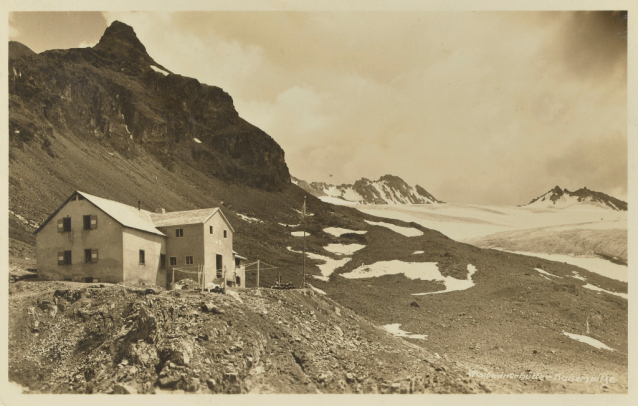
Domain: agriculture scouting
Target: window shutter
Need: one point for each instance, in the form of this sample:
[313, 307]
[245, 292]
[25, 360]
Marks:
[93, 222]
[61, 258]
[94, 255]
[60, 226]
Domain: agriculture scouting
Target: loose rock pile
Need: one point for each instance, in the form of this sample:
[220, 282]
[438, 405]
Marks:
[73, 338]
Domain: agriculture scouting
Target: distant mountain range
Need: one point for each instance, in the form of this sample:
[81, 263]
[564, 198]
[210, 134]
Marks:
[562, 198]
[388, 189]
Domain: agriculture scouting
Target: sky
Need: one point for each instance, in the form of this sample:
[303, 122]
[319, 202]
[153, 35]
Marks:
[476, 107]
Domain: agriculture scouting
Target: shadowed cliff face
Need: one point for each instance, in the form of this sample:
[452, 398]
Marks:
[116, 95]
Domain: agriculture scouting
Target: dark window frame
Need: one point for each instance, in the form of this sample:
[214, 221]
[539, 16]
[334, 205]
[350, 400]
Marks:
[210, 229]
[142, 257]
[225, 233]
[68, 257]
[191, 260]
[173, 261]
[162, 261]
[66, 225]
[179, 232]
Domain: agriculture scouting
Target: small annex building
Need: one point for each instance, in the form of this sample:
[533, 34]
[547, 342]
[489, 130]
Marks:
[92, 239]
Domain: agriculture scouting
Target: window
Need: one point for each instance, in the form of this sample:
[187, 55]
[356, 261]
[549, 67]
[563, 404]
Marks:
[142, 257]
[163, 261]
[210, 229]
[219, 265]
[237, 262]
[90, 222]
[173, 261]
[87, 256]
[225, 233]
[64, 225]
[238, 280]
[189, 260]
[179, 232]
[64, 258]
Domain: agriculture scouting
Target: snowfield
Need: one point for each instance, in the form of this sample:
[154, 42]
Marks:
[397, 332]
[338, 231]
[576, 234]
[588, 340]
[299, 233]
[407, 231]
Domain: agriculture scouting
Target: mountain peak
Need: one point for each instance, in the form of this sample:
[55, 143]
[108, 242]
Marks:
[119, 34]
[120, 43]
[388, 189]
[561, 198]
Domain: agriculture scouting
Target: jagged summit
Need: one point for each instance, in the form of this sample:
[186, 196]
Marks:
[122, 35]
[120, 43]
[388, 189]
[562, 198]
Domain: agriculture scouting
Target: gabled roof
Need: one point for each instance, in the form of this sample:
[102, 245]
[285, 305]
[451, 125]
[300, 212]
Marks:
[129, 216]
[177, 218]
[126, 215]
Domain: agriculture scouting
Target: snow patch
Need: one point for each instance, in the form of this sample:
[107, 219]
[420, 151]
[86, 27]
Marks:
[397, 332]
[588, 340]
[316, 289]
[307, 214]
[408, 232]
[328, 266]
[289, 225]
[299, 233]
[547, 273]
[158, 70]
[418, 252]
[453, 284]
[338, 231]
[592, 264]
[197, 140]
[596, 288]
[427, 271]
[249, 219]
[336, 201]
[343, 249]
[577, 276]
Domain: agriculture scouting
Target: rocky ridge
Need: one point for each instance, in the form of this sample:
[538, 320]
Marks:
[560, 198]
[388, 189]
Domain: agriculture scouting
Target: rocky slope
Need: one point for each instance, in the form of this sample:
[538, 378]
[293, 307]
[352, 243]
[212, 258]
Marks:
[116, 96]
[387, 189]
[73, 338]
[561, 198]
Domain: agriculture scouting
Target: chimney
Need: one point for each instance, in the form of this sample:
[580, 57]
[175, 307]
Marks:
[139, 204]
